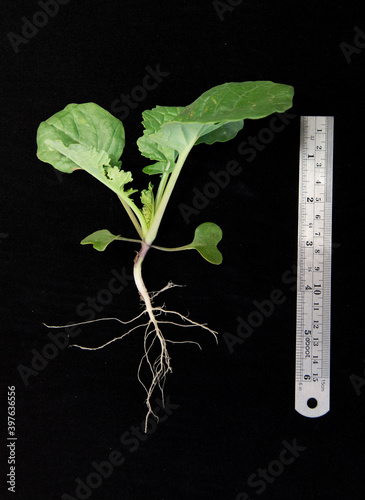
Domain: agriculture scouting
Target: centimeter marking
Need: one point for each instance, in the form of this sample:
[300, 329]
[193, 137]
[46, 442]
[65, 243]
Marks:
[313, 331]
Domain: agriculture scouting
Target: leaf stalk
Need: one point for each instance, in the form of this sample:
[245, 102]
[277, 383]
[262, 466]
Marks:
[154, 227]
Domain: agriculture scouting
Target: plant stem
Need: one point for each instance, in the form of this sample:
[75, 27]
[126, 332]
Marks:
[161, 366]
[137, 271]
[165, 249]
[132, 217]
[141, 287]
[132, 240]
[153, 229]
[161, 186]
[174, 249]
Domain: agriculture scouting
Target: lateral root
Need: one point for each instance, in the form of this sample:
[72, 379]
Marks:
[156, 356]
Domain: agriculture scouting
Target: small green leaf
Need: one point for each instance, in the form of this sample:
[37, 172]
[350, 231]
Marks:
[148, 203]
[206, 238]
[100, 239]
[159, 168]
[119, 178]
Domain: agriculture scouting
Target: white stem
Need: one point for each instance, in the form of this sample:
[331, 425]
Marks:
[161, 366]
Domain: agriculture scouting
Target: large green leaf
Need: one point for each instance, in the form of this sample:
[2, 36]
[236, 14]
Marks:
[219, 113]
[206, 238]
[85, 136]
[237, 101]
[86, 124]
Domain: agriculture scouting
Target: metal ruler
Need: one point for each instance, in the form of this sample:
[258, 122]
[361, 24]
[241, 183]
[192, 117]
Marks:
[312, 372]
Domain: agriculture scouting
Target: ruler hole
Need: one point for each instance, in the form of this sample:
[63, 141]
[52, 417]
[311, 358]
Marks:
[312, 403]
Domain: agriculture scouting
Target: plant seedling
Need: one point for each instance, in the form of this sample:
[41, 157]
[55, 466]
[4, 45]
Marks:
[87, 137]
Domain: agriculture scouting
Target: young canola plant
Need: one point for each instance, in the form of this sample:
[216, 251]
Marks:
[87, 137]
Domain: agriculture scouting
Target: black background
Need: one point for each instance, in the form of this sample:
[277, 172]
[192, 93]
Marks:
[233, 410]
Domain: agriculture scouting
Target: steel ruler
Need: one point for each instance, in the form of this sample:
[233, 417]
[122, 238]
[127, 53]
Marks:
[313, 330]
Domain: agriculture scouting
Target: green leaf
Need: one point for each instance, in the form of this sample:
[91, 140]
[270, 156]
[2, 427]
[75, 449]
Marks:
[159, 168]
[96, 163]
[206, 238]
[119, 178]
[224, 133]
[237, 101]
[218, 114]
[100, 239]
[86, 124]
[148, 204]
[85, 136]
[153, 119]
[179, 136]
